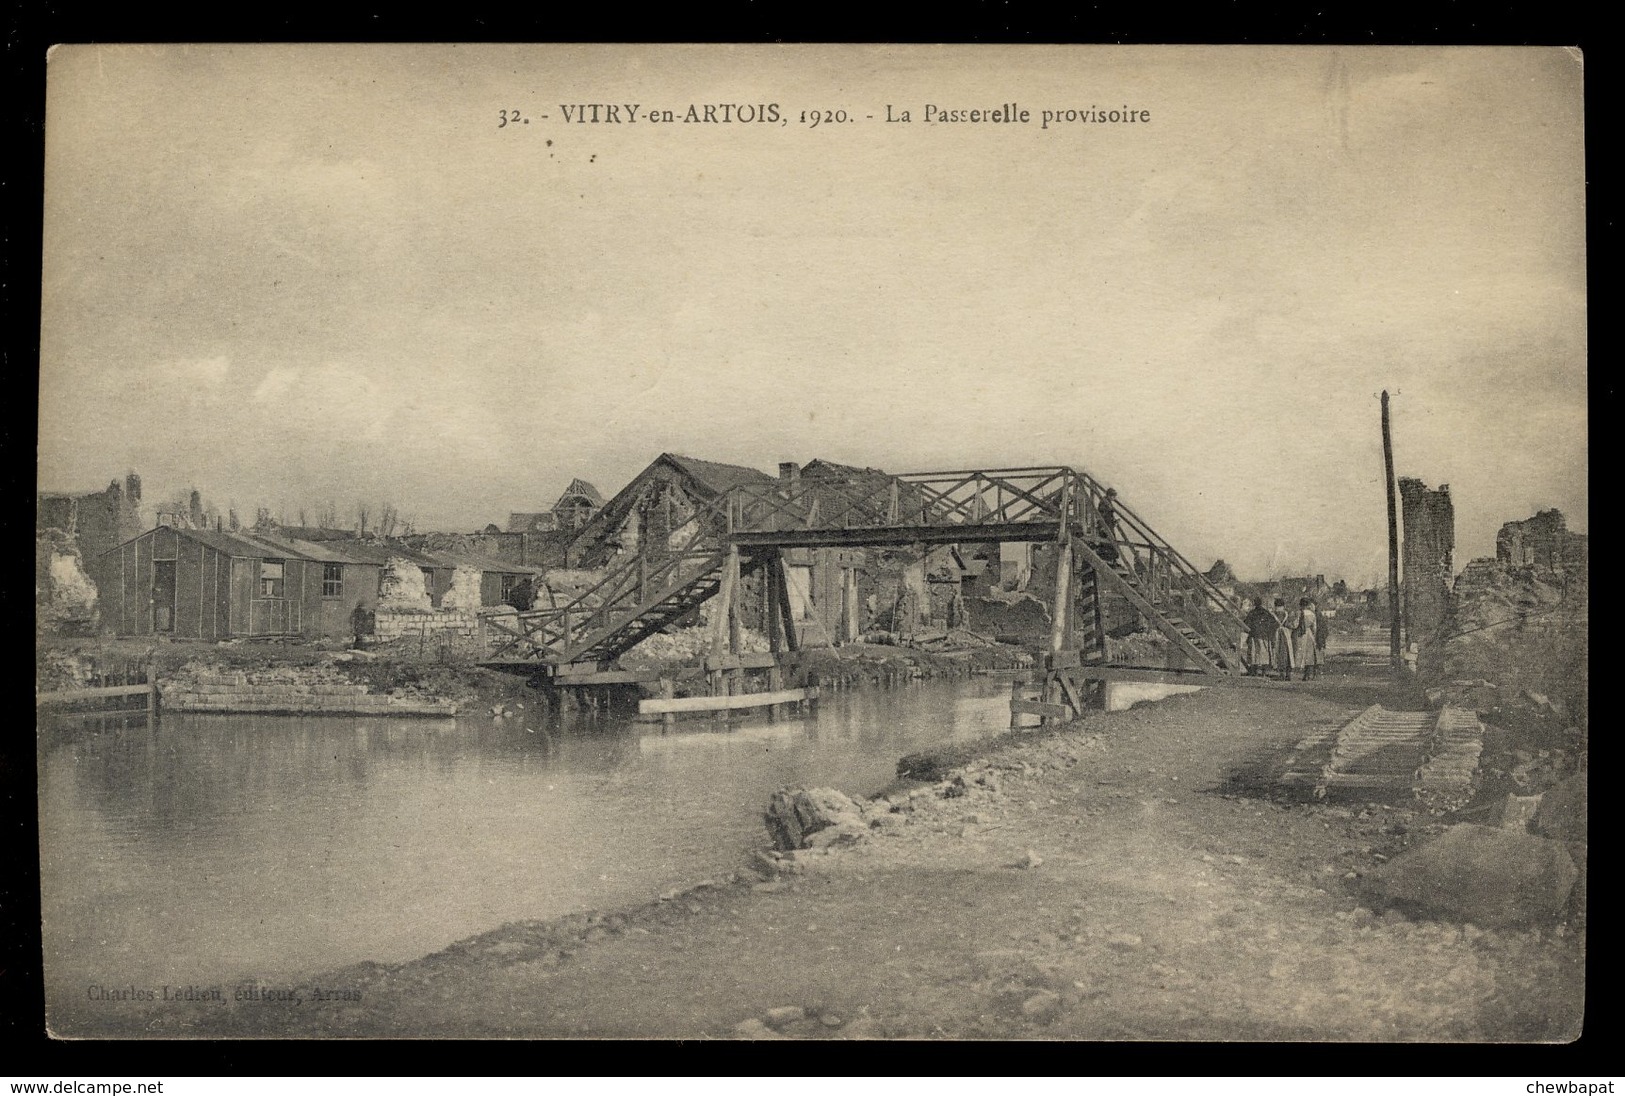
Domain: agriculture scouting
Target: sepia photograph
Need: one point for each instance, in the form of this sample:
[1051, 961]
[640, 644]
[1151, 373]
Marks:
[813, 542]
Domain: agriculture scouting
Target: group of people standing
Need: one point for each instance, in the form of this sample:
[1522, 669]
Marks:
[1280, 641]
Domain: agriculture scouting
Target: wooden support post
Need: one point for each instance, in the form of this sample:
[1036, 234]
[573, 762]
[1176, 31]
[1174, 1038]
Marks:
[1060, 621]
[736, 676]
[1395, 659]
[787, 610]
[775, 683]
[1099, 621]
[667, 690]
[854, 614]
[152, 702]
[764, 620]
[722, 620]
[1015, 698]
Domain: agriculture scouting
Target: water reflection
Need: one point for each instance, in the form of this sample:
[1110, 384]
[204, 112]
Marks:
[215, 847]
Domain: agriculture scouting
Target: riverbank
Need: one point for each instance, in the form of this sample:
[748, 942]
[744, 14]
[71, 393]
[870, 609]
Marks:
[430, 681]
[1121, 878]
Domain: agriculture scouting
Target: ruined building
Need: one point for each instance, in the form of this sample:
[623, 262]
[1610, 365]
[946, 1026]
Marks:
[96, 520]
[1542, 542]
[72, 528]
[1426, 560]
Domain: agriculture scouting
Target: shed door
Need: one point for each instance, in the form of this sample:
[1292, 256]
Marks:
[163, 595]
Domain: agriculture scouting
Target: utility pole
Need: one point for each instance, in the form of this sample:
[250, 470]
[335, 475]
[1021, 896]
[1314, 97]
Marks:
[1395, 659]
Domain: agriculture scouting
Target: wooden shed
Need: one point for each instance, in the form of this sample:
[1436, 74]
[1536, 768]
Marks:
[346, 584]
[203, 584]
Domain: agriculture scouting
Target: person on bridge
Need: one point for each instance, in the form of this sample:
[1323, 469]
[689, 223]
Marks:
[1107, 511]
[1261, 628]
[1305, 633]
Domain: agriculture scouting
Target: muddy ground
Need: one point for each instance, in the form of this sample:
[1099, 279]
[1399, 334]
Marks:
[1123, 878]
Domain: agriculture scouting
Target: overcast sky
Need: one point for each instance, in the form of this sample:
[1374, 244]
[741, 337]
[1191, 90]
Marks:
[288, 274]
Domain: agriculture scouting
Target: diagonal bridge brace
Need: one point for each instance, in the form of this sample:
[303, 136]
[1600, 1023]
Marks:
[1146, 609]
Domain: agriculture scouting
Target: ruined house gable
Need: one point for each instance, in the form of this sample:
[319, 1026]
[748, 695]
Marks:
[1543, 542]
[656, 504]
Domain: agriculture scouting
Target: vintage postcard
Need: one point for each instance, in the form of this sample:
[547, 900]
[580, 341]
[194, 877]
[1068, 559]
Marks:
[820, 542]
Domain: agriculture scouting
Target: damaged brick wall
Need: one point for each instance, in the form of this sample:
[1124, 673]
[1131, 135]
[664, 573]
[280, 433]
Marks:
[1427, 562]
[1542, 542]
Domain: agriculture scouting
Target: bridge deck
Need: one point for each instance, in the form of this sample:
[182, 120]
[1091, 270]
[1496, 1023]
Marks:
[898, 536]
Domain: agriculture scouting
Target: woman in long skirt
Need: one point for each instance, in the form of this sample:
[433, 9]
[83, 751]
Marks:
[1260, 642]
[1305, 648]
[1286, 659]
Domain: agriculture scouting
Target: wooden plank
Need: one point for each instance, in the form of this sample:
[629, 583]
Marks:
[897, 535]
[606, 677]
[1186, 677]
[1071, 690]
[1039, 707]
[68, 696]
[660, 705]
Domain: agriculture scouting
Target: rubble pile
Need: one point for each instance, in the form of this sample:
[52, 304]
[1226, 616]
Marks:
[1138, 649]
[687, 645]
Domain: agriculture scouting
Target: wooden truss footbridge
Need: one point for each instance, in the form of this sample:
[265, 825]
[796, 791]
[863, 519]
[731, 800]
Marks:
[749, 528]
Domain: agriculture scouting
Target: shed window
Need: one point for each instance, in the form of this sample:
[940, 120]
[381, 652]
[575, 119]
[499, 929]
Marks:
[270, 578]
[509, 582]
[428, 579]
[332, 580]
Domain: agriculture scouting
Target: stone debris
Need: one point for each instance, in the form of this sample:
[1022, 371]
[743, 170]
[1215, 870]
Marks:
[1042, 1006]
[1516, 812]
[785, 1014]
[755, 1029]
[816, 818]
[1562, 810]
[1482, 874]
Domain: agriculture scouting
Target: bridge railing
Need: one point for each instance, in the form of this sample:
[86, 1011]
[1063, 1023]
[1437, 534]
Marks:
[1166, 572]
[996, 496]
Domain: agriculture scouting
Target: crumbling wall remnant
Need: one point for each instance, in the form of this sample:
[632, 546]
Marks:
[1426, 556]
[401, 586]
[63, 592]
[1542, 542]
[464, 592]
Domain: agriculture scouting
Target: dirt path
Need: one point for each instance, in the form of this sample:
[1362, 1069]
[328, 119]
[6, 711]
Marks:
[1106, 881]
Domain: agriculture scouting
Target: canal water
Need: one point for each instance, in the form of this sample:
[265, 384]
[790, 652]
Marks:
[219, 850]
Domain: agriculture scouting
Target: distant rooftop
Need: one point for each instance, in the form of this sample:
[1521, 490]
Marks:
[719, 477]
